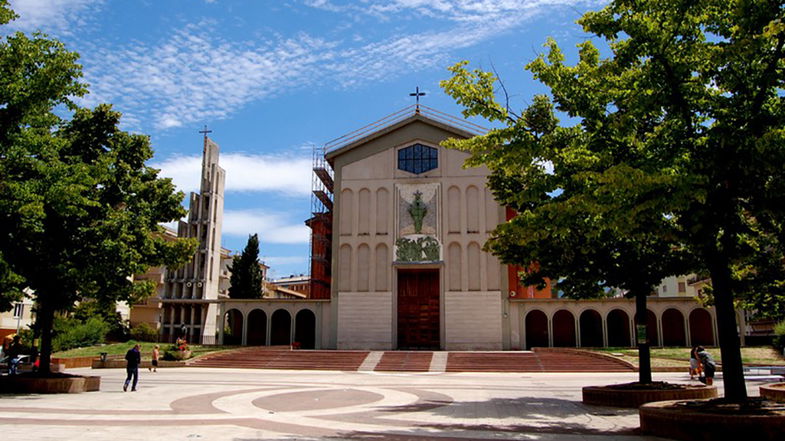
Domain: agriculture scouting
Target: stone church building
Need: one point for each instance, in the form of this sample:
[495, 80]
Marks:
[409, 225]
[398, 227]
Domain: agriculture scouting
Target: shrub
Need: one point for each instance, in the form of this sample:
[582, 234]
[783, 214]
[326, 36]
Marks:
[779, 335]
[106, 311]
[144, 332]
[71, 333]
[177, 352]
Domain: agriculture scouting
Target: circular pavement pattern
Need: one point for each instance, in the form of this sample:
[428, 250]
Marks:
[242, 405]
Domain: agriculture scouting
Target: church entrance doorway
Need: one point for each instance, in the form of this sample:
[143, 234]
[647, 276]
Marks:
[418, 309]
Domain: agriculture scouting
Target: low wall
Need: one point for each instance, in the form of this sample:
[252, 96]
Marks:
[116, 364]
[74, 362]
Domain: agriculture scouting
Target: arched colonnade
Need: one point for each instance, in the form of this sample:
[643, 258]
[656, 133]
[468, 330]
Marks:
[254, 323]
[612, 324]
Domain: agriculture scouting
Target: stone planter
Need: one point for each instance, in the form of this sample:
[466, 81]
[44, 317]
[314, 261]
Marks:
[633, 398]
[675, 419]
[773, 392]
[65, 384]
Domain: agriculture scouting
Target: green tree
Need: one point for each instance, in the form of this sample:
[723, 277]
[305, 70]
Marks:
[681, 127]
[559, 226]
[247, 279]
[78, 206]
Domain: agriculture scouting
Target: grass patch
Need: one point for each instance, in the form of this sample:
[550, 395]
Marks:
[146, 349]
[680, 357]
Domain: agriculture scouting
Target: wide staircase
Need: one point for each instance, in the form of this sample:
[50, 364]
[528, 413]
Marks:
[543, 360]
[261, 357]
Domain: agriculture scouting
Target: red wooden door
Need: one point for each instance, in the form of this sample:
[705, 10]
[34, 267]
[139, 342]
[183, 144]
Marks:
[418, 309]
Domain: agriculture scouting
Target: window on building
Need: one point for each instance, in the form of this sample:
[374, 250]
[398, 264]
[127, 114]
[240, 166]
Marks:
[682, 287]
[417, 159]
[664, 289]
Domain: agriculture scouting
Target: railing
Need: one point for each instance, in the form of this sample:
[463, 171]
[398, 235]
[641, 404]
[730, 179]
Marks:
[399, 116]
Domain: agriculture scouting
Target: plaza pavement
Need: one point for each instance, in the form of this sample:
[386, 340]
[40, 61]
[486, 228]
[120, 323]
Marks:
[251, 404]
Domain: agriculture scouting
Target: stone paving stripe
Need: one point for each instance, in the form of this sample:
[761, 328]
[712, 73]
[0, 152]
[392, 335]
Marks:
[439, 361]
[370, 362]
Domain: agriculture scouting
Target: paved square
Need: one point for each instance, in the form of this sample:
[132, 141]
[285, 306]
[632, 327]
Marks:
[246, 404]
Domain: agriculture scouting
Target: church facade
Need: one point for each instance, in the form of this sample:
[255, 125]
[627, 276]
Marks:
[408, 227]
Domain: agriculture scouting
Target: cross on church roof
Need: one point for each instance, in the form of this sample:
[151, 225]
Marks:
[417, 94]
[205, 131]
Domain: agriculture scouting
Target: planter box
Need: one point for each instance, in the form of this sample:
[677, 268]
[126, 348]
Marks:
[634, 398]
[773, 392]
[668, 420]
[23, 384]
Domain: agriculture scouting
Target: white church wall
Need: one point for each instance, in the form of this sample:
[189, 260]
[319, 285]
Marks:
[365, 320]
[473, 320]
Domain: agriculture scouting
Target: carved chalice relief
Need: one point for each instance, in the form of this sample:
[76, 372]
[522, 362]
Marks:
[418, 210]
[417, 247]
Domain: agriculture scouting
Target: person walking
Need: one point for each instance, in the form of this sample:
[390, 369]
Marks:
[134, 358]
[154, 363]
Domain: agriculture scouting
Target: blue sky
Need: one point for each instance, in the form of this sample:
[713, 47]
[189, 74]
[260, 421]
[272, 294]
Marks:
[273, 78]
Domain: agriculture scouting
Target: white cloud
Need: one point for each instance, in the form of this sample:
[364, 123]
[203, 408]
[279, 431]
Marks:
[52, 16]
[197, 75]
[244, 172]
[272, 228]
[474, 11]
[285, 260]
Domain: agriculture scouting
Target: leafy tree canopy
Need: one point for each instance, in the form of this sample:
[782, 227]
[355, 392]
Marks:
[247, 280]
[679, 139]
[79, 209]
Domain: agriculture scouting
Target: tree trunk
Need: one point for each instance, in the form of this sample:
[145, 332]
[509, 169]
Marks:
[732, 368]
[644, 354]
[45, 322]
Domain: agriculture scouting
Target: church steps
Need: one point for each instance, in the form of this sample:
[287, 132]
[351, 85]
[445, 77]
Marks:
[405, 361]
[261, 358]
[408, 361]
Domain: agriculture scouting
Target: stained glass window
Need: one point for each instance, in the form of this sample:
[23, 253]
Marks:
[417, 159]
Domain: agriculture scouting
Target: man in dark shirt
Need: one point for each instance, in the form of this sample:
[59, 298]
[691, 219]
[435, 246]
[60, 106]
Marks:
[134, 358]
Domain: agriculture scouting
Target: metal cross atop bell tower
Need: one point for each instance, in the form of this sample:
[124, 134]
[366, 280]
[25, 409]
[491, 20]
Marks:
[417, 94]
[205, 131]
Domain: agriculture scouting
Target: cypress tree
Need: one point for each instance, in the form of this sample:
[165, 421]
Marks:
[247, 278]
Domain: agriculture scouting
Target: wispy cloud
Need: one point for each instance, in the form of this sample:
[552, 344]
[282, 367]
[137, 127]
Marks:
[54, 16]
[465, 11]
[244, 172]
[197, 75]
[271, 228]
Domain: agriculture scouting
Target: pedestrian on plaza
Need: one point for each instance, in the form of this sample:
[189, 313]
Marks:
[695, 364]
[709, 366]
[154, 362]
[134, 358]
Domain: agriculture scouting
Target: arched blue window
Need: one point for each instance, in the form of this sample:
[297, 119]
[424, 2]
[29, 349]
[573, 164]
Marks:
[417, 159]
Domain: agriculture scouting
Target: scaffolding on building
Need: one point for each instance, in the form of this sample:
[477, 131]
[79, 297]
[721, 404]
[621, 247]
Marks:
[321, 225]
